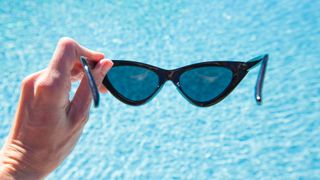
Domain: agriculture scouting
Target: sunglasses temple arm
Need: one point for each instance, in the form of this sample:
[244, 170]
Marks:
[259, 84]
[92, 84]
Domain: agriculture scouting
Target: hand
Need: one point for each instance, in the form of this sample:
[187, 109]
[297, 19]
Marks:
[47, 124]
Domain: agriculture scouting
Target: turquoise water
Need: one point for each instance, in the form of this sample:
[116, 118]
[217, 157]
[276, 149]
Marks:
[169, 138]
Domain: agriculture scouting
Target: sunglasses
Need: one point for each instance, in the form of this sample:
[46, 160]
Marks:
[202, 84]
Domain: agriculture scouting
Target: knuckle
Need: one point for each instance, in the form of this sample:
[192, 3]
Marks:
[67, 42]
[43, 88]
[45, 84]
[51, 84]
[28, 82]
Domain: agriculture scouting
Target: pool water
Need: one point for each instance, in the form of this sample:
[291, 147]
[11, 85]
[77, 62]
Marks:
[169, 138]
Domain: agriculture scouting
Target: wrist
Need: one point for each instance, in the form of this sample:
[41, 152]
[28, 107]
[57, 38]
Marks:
[6, 173]
[13, 167]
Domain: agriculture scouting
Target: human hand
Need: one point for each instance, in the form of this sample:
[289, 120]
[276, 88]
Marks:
[47, 124]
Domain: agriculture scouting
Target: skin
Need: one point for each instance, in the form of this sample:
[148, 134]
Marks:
[47, 124]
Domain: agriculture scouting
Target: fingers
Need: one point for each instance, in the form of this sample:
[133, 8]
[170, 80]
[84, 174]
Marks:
[77, 72]
[82, 99]
[55, 83]
[26, 96]
[103, 89]
[68, 52]
[28, 82]
[92, 55]
[27, 87]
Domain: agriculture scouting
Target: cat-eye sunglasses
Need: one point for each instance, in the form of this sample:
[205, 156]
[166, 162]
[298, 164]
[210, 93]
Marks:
[202, 84]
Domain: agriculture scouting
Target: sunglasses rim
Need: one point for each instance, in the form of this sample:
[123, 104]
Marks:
[238, 69]
[106, 82]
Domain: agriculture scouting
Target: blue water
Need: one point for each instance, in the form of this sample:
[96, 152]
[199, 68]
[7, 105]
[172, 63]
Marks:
[169, 138]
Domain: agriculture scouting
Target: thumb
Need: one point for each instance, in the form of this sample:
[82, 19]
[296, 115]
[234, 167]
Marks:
[81, 102]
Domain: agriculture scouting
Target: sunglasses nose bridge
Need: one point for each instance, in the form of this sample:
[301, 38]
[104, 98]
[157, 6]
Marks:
[169, 75]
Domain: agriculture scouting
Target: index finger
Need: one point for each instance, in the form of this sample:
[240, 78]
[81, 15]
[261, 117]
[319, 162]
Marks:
[55, 82]
[67, 53]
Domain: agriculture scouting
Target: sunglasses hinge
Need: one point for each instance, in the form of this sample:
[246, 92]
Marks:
[243, 66]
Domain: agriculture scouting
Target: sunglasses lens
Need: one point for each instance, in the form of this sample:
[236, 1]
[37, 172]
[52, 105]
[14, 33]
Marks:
[132, 82]
[205, 83]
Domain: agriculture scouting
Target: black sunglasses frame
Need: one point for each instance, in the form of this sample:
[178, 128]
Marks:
[239, 71]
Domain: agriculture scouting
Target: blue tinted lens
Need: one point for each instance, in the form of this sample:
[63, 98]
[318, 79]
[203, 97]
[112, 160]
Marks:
[132, 82]
[205, 83]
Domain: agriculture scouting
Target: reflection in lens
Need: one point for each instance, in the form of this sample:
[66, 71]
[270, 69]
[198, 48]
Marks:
[132, 82]
[205, 83]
